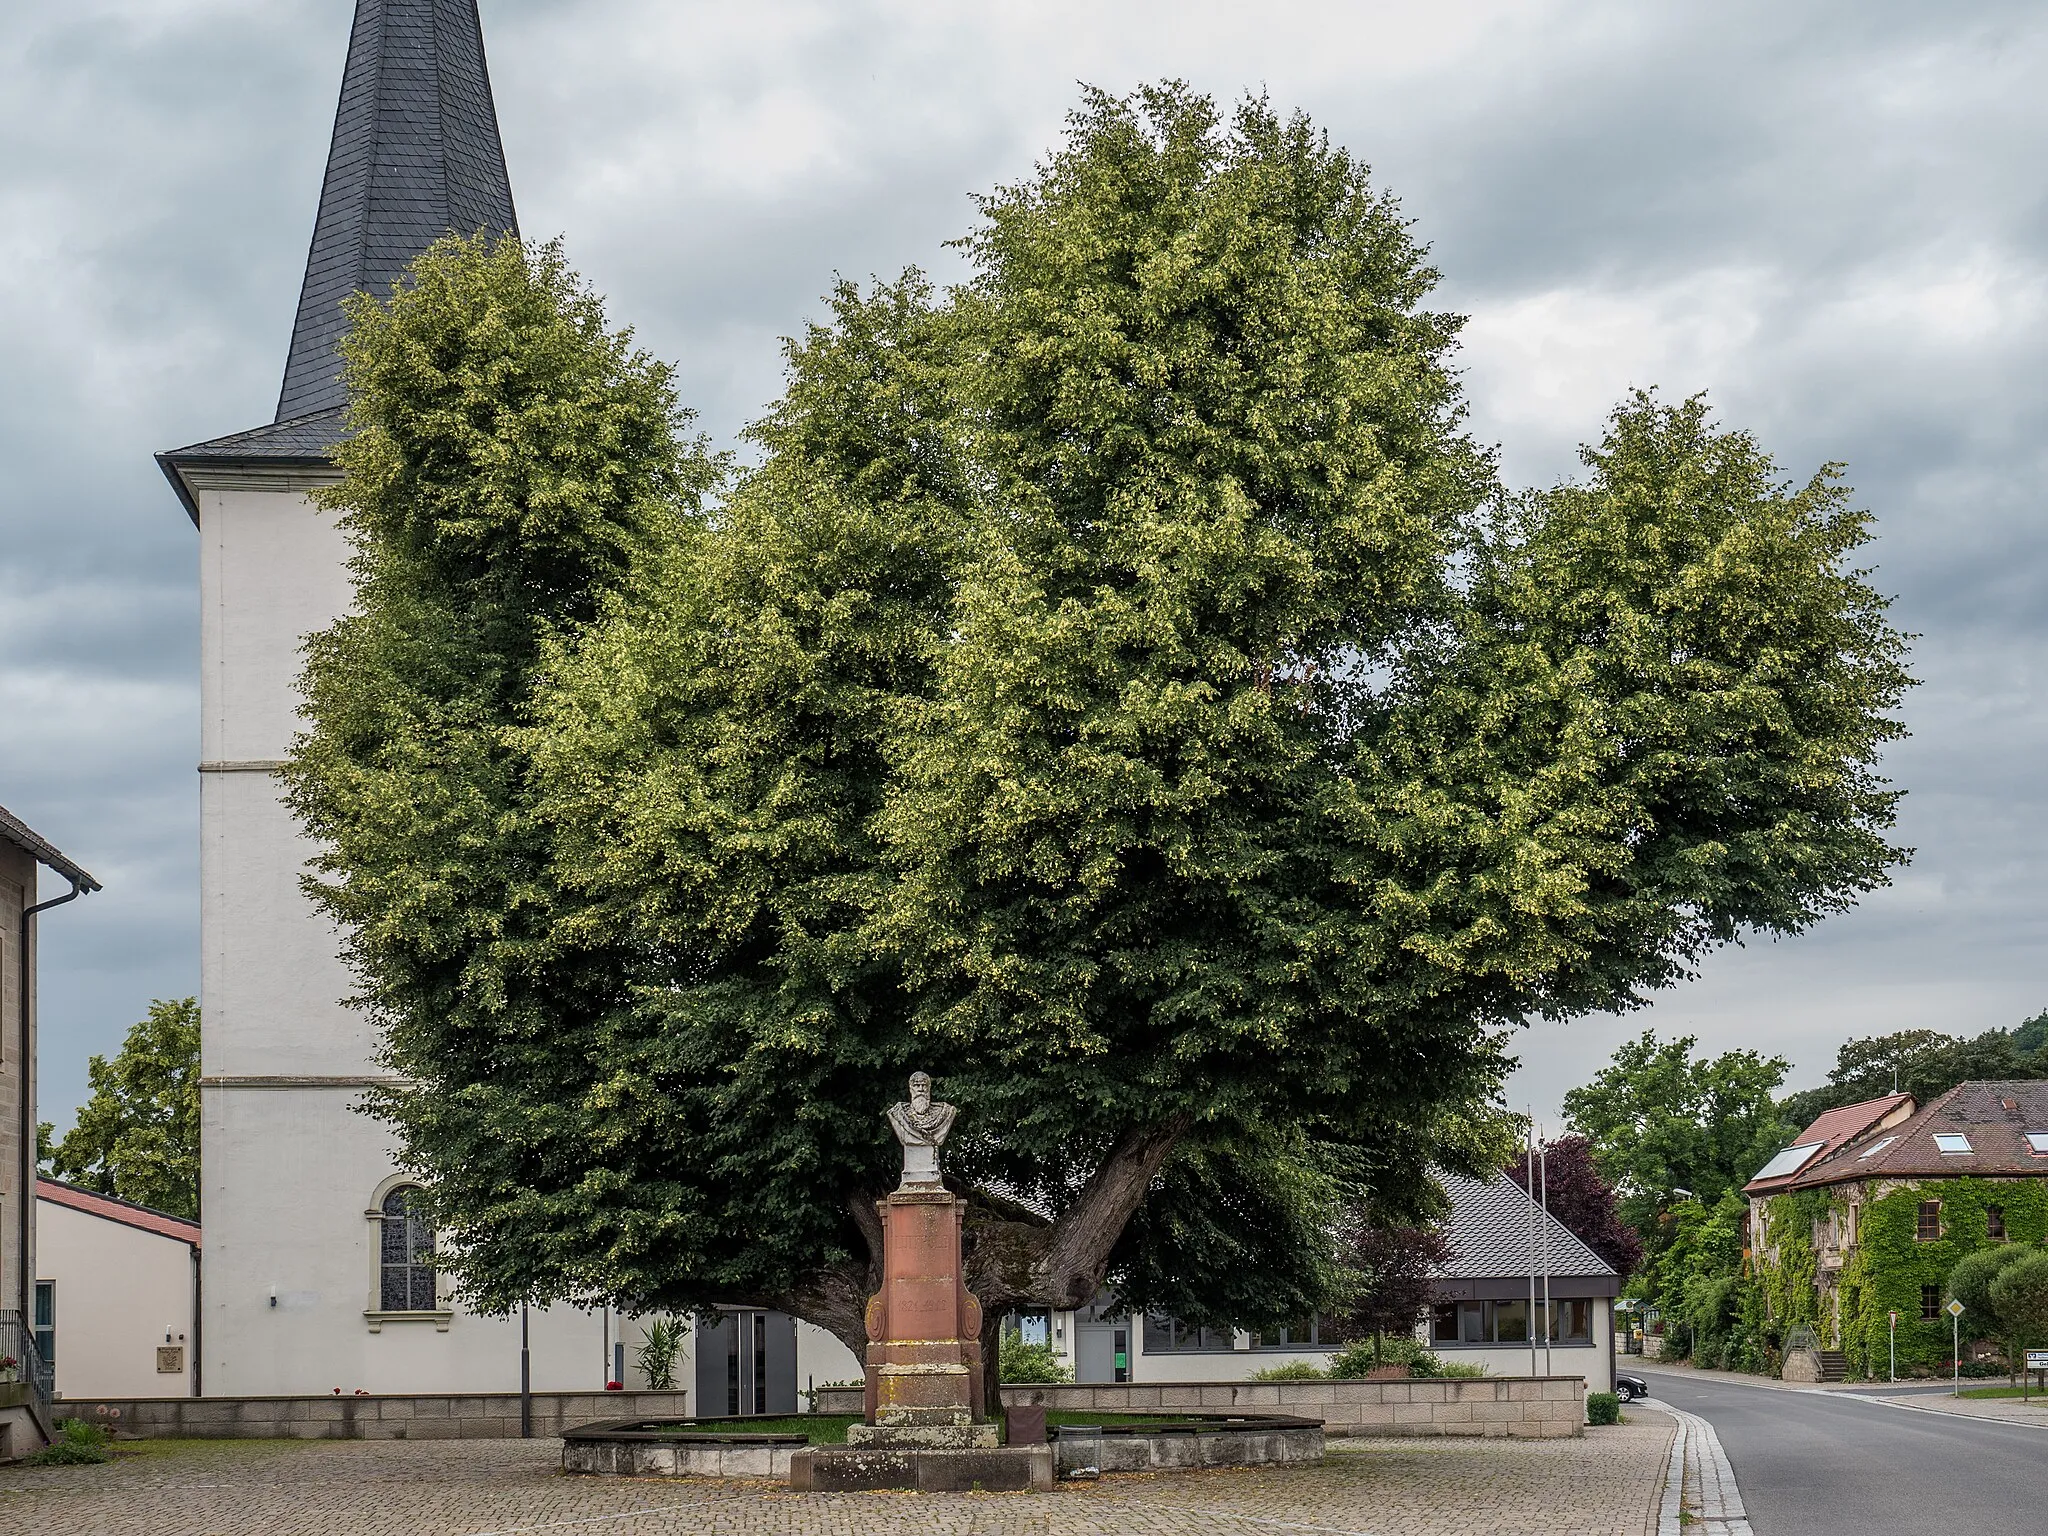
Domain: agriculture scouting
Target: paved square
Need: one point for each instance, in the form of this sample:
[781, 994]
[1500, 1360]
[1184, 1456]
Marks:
[1606, 1484]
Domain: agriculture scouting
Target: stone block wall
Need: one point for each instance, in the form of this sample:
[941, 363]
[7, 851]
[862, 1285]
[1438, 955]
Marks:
[1528, 1407]
[470, 1416]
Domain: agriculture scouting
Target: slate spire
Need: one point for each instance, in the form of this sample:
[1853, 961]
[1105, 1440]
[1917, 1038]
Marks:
[416, 155]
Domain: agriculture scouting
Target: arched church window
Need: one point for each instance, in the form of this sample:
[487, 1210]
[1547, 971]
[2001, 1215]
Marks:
[406, 1264]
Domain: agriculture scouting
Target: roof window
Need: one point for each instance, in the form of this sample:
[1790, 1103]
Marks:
[1953, 1145]
[1789, 1161]
[1875, 1147]
[2037, 1142]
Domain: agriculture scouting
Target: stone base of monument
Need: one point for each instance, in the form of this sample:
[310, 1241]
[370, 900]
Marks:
[923, 1437]
[863, 1468]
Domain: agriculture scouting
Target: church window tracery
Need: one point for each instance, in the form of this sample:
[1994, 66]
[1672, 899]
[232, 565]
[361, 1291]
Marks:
[406, 1263]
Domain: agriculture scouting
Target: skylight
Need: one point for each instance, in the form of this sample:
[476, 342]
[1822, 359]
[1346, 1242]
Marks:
[2038, 1142]
[1952, 1146]
[1789, 1161]
[1875, 1147]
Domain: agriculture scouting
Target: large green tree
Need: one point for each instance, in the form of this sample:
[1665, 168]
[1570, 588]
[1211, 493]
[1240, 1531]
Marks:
[137, 1136]
[1118, 686]
[1668, 1125]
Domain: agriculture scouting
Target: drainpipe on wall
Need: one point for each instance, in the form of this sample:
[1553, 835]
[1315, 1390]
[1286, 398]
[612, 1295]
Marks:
[80, 884]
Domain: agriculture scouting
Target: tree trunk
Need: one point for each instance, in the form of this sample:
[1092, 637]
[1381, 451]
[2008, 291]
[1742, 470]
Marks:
[1013, 1257]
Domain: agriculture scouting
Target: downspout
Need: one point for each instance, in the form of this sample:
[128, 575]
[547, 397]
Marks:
[198, 1322]
[28, 1100]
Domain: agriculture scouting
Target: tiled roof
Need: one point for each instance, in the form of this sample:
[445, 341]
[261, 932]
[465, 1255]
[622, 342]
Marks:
[1834, 1130]
[416, 155]
[303, 441]
[127, 1212]
[19, 833]
[1489, 1232]
[1994, 1116]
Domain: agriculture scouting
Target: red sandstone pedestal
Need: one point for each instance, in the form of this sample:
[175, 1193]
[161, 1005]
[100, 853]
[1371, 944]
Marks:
[924, 1332]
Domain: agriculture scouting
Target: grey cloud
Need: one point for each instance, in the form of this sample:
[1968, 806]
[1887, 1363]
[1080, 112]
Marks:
[1830, 215]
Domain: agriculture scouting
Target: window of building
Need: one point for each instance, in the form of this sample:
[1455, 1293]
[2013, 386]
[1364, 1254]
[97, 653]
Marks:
[1930, 1303]
[1994, 1223]
[46, 1322]
[1875, 1147]
[1952, 1145]
[1572, 1321]
[1164, 1335]
[1930, 1221]
[406, 1261]
[1303, 1333]
[2037, 1143]
[1507, 1322]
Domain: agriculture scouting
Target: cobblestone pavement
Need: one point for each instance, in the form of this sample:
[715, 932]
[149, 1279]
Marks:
[1607, 1484]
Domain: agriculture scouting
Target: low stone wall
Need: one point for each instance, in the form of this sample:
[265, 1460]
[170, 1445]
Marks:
[657, 1456]
[463, 1416]
[1242, 1443]
[1531, 1407]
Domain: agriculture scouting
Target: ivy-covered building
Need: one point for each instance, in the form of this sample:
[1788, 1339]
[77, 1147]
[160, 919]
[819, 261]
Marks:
[1870, 1208]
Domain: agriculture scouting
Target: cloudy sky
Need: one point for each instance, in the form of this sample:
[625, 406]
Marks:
[1829, 215]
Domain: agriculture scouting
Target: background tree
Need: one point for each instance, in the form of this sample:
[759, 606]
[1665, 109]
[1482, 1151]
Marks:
[1119, 688]
[1583, 1201]
[2019, 1293]
[1970, 1283]
[137, 1136]
[1922, 1062]
[1392, 1269]
[1661, 1119]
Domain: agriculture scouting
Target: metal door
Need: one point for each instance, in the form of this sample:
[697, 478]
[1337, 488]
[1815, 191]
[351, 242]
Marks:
[746, 1364]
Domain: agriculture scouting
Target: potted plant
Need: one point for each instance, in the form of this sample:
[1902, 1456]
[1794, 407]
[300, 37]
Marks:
[9, 1366]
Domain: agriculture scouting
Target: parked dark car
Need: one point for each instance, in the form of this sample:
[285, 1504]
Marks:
[1629, 1388]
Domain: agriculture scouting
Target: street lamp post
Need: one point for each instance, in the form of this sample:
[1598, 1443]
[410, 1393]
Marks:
[1955, 1348]
[1895, 1344]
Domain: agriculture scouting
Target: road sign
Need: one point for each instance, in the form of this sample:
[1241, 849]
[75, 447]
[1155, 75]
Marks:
[1955, 1309]
[2037, 1359]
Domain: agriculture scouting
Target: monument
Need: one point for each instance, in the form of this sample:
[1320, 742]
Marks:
[926, 1424]
[924, 1327]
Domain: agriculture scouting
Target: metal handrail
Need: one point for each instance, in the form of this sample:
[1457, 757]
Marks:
[18, 1339]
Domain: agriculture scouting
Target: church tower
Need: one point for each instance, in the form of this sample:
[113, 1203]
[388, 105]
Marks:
[310, 1280]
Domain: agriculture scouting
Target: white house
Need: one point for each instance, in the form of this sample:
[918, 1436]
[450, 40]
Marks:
[308, 1279]
[117, 1289]
[1499, 1240]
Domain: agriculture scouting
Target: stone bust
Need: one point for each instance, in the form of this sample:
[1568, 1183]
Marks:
[921, 1125]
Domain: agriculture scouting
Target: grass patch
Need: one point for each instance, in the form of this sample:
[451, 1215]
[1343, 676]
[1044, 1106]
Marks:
[821, 1428]
[2015, 1393]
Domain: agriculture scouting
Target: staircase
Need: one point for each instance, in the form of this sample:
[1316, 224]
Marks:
[1834, 1365]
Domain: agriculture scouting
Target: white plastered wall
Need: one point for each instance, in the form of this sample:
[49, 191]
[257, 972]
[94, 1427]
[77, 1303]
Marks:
[289, 1167]
[121, 1293]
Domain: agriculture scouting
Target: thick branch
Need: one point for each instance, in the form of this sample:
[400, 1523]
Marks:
[837, 1299]
[1062, 1264]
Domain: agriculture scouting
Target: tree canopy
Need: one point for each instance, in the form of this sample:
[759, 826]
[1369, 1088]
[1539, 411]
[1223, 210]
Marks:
[1923, 1062]
[1118, 686]
[1662, 1120]
[137, 1136]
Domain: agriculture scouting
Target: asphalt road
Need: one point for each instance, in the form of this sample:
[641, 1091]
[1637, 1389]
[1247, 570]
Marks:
[1827, 1464]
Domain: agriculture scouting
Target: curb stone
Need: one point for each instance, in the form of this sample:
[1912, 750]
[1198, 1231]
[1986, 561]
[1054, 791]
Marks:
[1700, 1493]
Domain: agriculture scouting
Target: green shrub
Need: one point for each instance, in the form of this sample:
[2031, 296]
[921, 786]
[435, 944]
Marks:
[79, 1443]
[1031, 1363]
[1454, 1370]
[1293, 1370]
[1360, 1359]
[657, 1354]
[1603, 1408]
